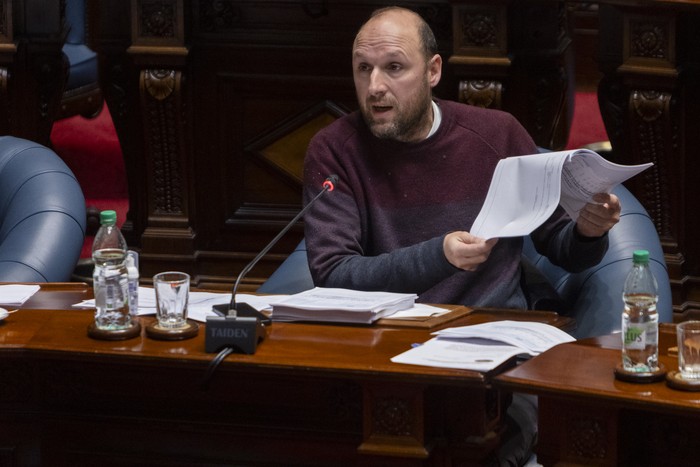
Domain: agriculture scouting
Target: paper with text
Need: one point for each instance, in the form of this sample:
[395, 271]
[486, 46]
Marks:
[525, 190]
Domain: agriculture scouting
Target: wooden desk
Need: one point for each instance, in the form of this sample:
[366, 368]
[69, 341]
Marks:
[310, 395]
[587, 417]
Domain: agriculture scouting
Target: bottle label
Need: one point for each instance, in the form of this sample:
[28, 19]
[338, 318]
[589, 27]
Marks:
[635, 338]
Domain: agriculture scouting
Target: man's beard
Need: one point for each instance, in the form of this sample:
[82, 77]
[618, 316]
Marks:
[405, 125]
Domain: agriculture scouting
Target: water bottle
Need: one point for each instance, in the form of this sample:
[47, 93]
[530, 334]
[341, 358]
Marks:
[110, 276]
[640, 320]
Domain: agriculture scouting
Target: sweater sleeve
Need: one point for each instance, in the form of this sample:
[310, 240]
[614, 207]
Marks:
[558, 240]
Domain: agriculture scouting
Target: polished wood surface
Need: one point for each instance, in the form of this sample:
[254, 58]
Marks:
[588, 417]
[315, 394]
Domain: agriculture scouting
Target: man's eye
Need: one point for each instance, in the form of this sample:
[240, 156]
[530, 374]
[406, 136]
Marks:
[363, 68]
[395, 67]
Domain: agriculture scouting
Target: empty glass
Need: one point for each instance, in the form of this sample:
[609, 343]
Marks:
[172, 293]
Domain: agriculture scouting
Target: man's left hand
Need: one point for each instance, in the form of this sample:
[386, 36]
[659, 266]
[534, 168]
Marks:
[599, 216]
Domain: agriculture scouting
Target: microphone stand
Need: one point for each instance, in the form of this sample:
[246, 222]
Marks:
[239, 325]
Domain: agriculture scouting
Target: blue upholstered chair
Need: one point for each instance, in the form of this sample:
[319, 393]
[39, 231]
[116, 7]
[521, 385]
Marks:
[82, 94]
[42, 214]
[593, 297]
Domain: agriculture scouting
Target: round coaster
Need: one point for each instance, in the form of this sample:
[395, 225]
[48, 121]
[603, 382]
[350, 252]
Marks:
[156, 331]
[640, 377]
[115, 334]
[676, 381]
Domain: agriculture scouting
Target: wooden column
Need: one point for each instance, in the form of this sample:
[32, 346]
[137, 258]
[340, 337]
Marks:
[650, 103]
[160, 55]
[515, 56]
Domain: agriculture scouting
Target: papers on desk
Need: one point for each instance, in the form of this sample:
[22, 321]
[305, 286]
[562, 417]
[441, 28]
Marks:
[17, 294]
[340, 305]
[525, 190]
[483, 347]
[199, 304]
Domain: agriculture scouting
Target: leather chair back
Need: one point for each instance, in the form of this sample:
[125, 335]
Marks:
[42, 214]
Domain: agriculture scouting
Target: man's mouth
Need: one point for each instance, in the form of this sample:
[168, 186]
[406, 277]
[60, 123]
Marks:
[381, 108]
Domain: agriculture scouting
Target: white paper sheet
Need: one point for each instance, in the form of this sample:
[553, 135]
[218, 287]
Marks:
[525, 190]
[485, 346]
[17, 294]
[199, 305]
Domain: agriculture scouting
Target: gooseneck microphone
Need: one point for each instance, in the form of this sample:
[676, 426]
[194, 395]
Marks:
[240, 325]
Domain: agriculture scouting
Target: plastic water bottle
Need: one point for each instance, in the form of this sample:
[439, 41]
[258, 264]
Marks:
[640, 320]
[110, 276]
[132, 270]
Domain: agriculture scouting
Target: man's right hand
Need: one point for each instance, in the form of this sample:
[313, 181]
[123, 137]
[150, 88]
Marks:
[465, 251]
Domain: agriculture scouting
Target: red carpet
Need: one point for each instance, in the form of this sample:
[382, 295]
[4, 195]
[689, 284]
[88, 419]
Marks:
[91, 149]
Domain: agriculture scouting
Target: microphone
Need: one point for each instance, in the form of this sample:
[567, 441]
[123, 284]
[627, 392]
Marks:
[240, 325]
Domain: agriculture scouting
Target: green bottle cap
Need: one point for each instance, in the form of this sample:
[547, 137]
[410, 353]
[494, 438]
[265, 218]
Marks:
[108, 217]
[640, 256]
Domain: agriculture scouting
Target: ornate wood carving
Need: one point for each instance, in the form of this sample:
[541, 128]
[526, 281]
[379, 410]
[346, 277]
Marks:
[161, 104]
[481, 93]
[215, 15]
[650, 117]
[394, 415]
[587, 438]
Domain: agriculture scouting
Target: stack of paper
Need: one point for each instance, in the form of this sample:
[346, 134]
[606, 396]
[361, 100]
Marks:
[17, 294]
[483, 347]
[340, 305]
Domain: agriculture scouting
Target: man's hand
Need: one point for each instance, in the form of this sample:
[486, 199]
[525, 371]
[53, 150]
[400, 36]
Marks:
[596, 218]
[465, 251]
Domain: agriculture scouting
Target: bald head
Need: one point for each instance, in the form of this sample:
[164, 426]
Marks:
[409, 19]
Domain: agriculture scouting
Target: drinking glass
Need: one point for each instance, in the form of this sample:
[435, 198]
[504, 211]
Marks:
[172, 293]
[688, 334]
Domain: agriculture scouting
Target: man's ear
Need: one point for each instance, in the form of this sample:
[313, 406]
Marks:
[435, 70]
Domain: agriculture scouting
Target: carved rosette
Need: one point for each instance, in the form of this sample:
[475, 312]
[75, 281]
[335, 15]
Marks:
[649, 40]
[392, 416]
[587, 438]
[158, 19]
[479, 29]
[161, 92]
[218, 15]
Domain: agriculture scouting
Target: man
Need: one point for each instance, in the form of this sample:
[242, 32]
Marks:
[414, 172]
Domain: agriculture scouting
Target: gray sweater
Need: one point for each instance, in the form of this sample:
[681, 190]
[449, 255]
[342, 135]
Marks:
[382, 228]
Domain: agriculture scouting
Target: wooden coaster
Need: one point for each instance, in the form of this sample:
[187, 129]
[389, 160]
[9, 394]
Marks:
[115, 334]
[640, 377]
[156, 331]
[676, 381]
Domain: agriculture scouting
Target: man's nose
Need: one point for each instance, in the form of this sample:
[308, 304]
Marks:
[377, 83]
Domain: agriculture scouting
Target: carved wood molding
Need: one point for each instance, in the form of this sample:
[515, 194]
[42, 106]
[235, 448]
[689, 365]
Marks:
[650, 119]
[481, 93]
[649, 44]
[163, 115]
[394, 421]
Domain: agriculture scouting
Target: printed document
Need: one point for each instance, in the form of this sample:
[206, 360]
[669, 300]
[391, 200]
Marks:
[484, 347]
[525, 190]
[340, 305]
